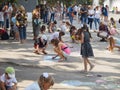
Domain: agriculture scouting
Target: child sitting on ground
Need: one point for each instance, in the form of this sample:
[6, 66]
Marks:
[61, 49]
[8, 80]
[41, 42]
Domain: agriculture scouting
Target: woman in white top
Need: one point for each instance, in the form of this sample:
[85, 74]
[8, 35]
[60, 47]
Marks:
[97, 17]
[6, 16]
[1, 18]
[44, 83]
[90, 16]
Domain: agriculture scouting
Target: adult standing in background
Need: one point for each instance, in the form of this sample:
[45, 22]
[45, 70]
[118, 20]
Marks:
[97, 17]
[35, 22]
[21, 23]
[104, 13]
[1, 18]
[52, 16]
[84, 12]
[6, 16]
[90, 16]
[45, 14]
[71, 14]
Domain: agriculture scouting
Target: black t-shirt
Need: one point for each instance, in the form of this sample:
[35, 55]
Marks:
[84, 9]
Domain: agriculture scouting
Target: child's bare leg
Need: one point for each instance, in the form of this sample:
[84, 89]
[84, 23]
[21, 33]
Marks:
[91, 65]
[59, 53]
[85, 64]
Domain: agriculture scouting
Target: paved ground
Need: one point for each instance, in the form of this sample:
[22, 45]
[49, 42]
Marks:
[105, 75]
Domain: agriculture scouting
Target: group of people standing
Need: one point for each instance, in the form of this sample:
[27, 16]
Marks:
[87, 14]
[14, 18]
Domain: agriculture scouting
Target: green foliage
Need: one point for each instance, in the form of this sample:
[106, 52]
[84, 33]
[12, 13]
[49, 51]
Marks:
[11, 1]
[101, 2]
[88, 2]
[70, 2]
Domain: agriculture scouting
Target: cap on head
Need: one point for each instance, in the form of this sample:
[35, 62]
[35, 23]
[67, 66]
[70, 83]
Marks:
[10, 71]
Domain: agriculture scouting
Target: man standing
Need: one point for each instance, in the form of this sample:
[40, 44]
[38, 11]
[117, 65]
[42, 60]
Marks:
[83, 12]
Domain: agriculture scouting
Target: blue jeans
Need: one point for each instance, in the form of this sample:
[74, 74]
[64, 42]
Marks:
[45, 17]
[22, 32]
[8, 87]
[90, 21]
[1, 24]
[96, 20]
[84, 20]
[52, 17]
[71, 18]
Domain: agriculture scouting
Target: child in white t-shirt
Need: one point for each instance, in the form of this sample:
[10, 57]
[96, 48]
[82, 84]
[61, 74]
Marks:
[8, 80]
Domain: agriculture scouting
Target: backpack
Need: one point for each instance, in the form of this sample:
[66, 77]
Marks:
[5, 36]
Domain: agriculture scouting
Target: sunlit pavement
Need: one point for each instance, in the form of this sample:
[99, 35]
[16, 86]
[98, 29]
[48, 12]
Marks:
[104, 76]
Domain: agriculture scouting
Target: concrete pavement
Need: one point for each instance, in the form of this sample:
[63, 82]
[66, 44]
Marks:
[105, 75]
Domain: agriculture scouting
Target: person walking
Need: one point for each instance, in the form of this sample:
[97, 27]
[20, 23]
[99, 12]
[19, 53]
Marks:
[86, 49]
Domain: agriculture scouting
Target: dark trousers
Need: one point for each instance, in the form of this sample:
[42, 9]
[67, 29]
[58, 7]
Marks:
[90, 21]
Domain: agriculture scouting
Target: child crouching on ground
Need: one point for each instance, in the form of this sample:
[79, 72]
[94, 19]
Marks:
[41, 42]
[8, 80]
[61, 49]
[113, 43]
